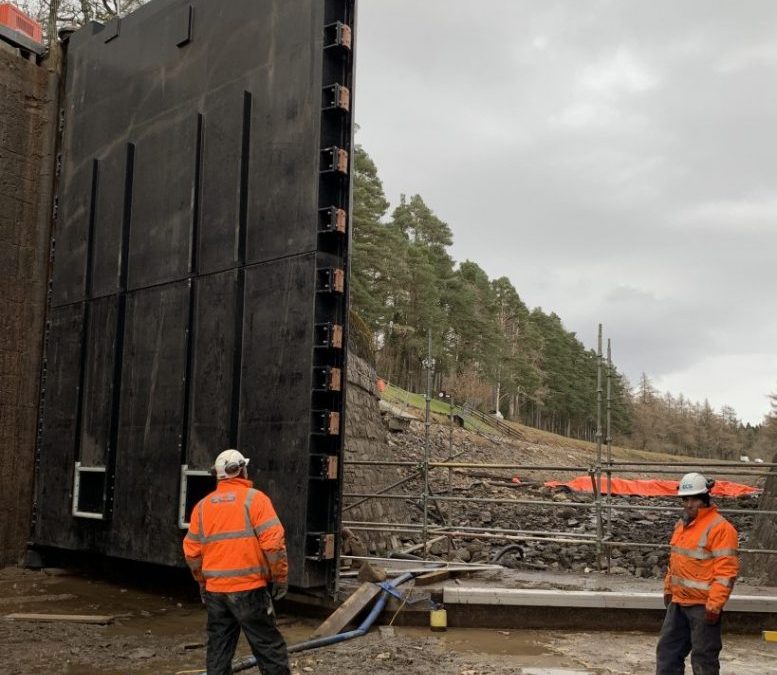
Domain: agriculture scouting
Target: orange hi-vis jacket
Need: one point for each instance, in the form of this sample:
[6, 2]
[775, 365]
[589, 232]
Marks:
[235, 540]
[703, 564]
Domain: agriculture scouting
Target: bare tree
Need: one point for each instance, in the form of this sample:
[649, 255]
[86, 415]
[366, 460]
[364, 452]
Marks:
[54, 14]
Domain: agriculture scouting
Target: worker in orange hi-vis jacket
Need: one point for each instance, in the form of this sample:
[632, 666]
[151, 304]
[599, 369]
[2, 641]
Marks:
[236, 550]
[703, 566]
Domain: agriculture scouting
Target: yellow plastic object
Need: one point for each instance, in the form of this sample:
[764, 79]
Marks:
[438, 619]
[770, 635]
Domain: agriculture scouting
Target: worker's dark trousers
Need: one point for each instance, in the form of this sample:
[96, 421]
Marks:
[685, 631]
[253, 612]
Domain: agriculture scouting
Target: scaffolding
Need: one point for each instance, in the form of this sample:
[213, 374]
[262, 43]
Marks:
[601, 504]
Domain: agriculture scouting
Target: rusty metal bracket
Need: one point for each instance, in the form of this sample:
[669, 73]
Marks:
[324, 467]
[327, 378]
[338, 34]
[321, 546]
[334, 159]
[328, 336]
[331, 280]
[326, 423]
[336, 97]
[332, 219]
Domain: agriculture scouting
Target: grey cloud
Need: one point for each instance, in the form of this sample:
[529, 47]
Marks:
[615, 159]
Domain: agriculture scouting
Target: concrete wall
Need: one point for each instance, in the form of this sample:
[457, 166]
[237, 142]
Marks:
[27, 131]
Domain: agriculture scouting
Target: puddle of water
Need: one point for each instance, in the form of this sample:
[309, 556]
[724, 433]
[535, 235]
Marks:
[524, 648]
[489, 641]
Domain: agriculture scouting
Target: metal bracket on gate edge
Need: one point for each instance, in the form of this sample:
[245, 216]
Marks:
[327, 378]
[334, 159]
[324, 467]
[321, 546]
[332, 219]
[331, 280]
[329, 336]
[338, 35]
[336, 97]
[326, 422]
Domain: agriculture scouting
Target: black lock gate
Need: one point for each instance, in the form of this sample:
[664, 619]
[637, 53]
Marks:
[200, 278]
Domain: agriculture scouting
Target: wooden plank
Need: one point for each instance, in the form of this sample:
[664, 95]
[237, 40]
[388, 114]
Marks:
[346, 612]
[68, 618]
[27, 599]
[428, 544]
[432, 577]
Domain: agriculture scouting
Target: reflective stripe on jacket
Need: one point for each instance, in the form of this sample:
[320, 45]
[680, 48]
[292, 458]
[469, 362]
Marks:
[703, 564]
[235, 540]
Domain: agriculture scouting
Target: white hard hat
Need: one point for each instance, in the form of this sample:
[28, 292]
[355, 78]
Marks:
[229, 463]
[694, 484]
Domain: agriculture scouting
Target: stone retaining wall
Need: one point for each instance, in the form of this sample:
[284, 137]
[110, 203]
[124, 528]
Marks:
[366, 440]
[27, 114]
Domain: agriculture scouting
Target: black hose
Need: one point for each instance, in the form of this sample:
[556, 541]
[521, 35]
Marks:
[510, 547]
[404, 556]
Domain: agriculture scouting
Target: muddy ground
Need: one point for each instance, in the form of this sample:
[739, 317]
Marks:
[163, 632]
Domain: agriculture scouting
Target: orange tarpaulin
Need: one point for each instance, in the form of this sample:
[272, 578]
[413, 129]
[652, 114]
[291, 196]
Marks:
[651, 487]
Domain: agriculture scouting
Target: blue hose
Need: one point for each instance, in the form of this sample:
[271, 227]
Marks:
[250, 661]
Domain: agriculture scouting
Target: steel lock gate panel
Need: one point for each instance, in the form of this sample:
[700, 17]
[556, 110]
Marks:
[199, 287]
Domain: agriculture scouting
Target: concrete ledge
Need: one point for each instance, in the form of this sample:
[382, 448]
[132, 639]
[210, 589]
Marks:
[529, 597]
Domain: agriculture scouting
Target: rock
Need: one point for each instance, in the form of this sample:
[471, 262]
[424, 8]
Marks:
[560, 497]
[438, 548]
[383, 656]
[369, 572]
[386, 631]
[617, 569]
[486, 517]
[463, 554]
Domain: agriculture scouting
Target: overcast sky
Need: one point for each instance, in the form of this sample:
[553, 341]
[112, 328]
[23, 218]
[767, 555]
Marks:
[616, 159]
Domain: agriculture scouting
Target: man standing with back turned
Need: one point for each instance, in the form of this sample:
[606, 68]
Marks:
[703, 566]
[236, 551]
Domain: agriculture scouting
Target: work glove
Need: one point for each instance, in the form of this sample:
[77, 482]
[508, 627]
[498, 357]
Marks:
[278, 590]
[667, 599]
[711, 617]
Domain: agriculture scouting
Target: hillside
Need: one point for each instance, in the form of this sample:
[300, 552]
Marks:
[477, 509]
[560, 449]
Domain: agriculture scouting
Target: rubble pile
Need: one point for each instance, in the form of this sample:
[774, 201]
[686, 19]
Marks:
[570, 516]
